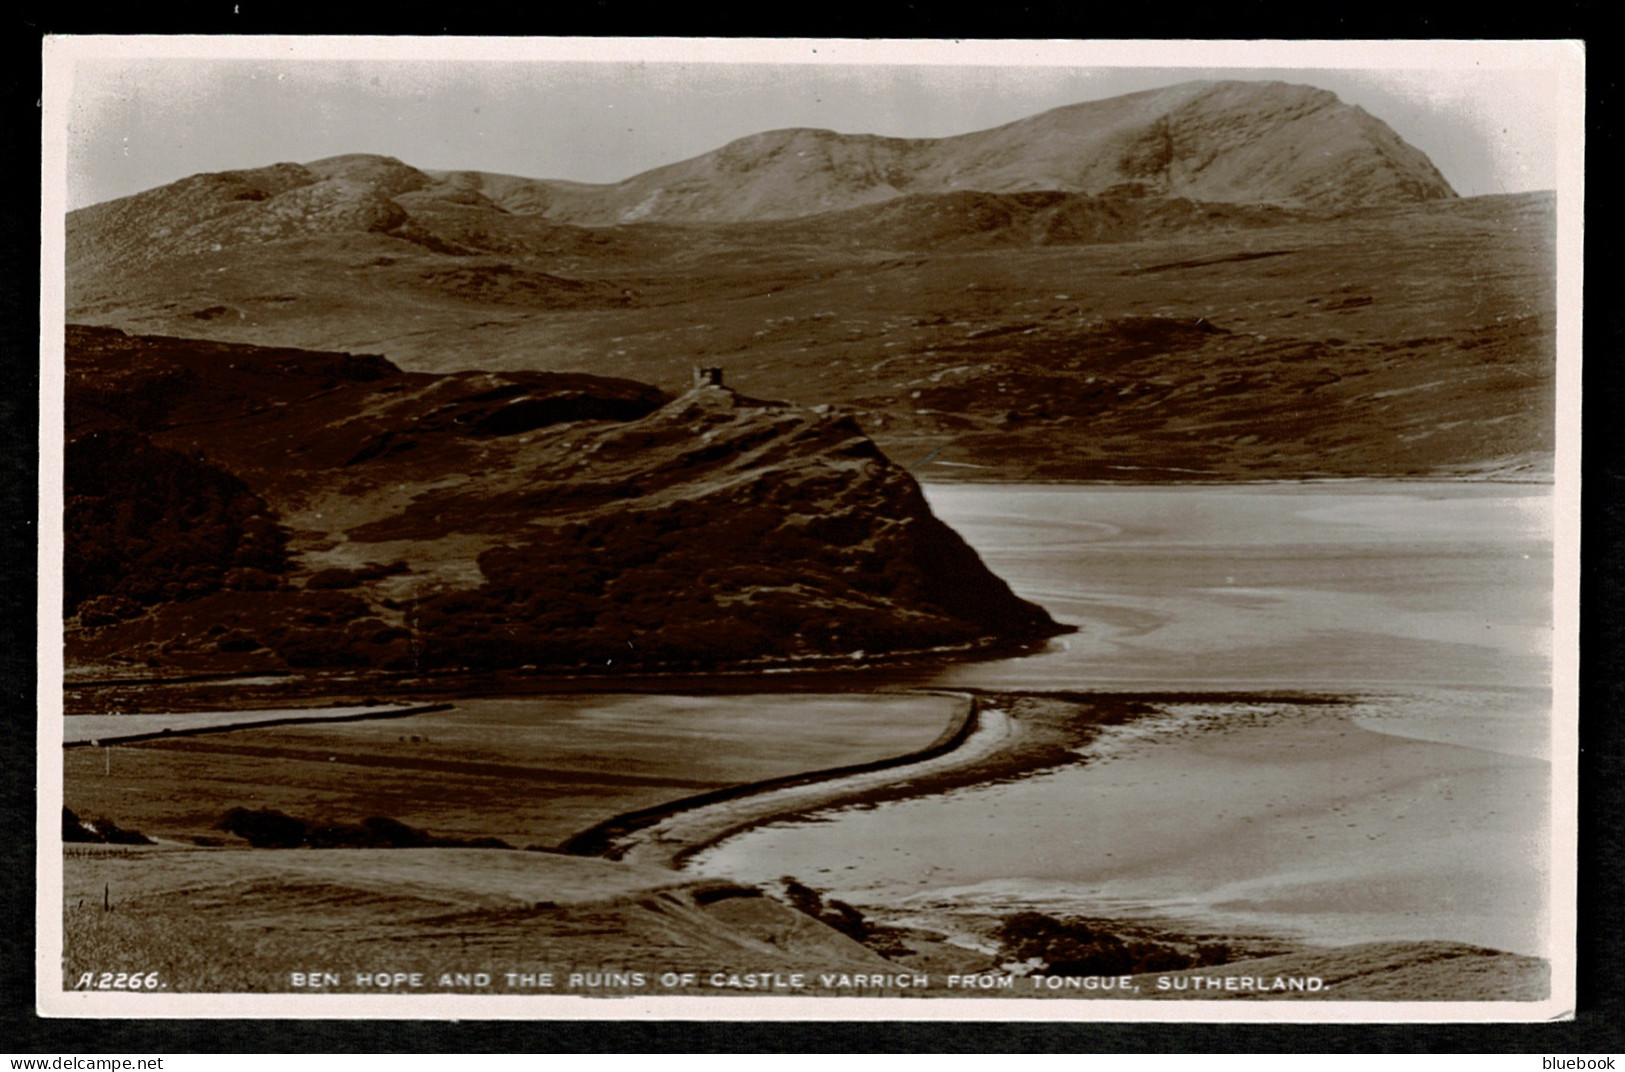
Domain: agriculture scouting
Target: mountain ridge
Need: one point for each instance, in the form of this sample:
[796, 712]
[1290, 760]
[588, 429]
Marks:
[1233, 142]
[1229, 142]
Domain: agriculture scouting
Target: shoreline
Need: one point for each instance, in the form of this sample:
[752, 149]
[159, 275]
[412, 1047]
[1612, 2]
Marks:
[732, 678]
[604, 838]
[1039, 731]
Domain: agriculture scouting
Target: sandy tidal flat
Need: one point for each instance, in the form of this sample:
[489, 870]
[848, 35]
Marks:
[1234, 819]
[1418, 810]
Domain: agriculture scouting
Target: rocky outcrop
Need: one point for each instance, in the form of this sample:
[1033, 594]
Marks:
[328, 510]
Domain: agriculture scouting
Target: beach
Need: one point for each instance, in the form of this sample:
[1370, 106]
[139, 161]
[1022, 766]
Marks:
[1258, 819]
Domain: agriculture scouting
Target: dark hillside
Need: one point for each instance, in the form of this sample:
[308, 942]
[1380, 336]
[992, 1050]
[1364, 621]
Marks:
[243, 508]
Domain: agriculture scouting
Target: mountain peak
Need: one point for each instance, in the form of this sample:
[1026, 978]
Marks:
[1217, 141]
[385, 174]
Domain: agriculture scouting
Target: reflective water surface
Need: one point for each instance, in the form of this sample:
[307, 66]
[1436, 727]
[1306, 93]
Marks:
[1418, 812]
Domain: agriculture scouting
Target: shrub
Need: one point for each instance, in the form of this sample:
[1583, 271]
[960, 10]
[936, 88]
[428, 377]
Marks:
[270, 829]
[105, 610]
[75, 831]
[836, 914]
[99, 831]
[333, 578]
[264, 828]
[1076, 947]
[249, 579]
[237, 640]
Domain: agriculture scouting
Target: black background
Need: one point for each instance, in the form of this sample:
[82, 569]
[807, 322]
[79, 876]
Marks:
[1599, 1025]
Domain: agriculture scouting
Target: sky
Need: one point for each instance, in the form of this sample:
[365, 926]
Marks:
[141, 112]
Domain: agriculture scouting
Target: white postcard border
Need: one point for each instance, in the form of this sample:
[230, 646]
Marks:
[1565, 58]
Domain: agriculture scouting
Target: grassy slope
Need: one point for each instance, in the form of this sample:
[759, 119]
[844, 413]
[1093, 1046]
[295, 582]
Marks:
[230, 921]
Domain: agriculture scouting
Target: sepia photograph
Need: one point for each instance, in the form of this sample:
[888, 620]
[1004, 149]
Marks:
[809, 529]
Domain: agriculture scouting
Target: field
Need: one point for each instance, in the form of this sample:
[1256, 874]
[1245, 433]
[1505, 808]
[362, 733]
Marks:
[530, 771]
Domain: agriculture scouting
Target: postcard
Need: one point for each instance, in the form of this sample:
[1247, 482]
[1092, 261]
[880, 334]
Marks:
[809, 529]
